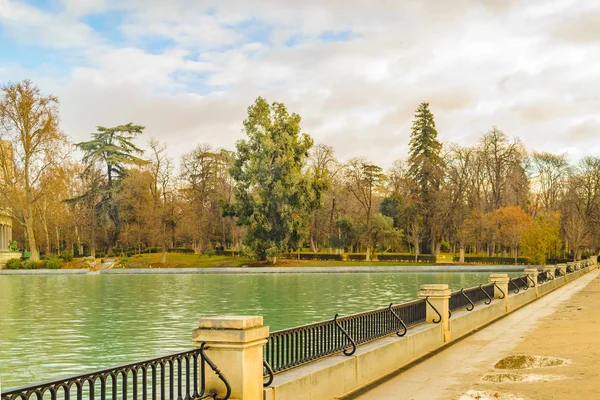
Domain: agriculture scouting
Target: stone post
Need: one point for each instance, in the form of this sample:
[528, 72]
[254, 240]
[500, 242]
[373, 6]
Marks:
[501, 281]
[533, 274]
[563, 268]
[549, 270]
[438, 295]
[235, 345]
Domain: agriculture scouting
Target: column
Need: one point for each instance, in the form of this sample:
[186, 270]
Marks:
[3, 238]
[563, 268]
[235, 345]
[532, 273]
[501, 287]
[549, 270]
[438, 295]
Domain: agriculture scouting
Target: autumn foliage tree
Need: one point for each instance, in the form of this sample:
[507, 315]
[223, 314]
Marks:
[29, 121]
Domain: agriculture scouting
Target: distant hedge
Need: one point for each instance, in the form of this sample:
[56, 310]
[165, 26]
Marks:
[493, 260]
[406, 257]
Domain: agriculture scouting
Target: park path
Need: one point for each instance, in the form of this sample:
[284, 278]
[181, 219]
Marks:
[460, 367]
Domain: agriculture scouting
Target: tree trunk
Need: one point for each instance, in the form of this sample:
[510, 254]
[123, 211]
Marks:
[368, 257]
[34, 256]
[163, 255]
[313, 247]
[416, 246]
[57, 241]
[462, 254]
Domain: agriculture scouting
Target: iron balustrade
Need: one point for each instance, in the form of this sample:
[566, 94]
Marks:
[558, 272]
[542, 277]
[519, 283]
[289, 348]
[469, 298]
[180, 376]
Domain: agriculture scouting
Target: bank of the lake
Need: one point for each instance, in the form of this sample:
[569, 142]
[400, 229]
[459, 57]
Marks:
[57, 325]
[274, 270]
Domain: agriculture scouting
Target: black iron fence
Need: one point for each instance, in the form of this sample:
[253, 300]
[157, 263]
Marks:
[519, 283]
[180, 376]
[292, 347]
[468, 298]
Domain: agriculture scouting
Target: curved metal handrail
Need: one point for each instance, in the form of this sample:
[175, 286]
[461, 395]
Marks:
[516, 291]
[436, 311]
[541, 277]
[524, 281]
[270, 372]
[489, 300]
[501, 291]
[352, 342]
[470, 307]
[216, 371]
[530, 280]
[399, 320]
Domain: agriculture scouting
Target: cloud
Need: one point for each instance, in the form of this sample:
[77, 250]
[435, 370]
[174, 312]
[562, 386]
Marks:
[354, 70]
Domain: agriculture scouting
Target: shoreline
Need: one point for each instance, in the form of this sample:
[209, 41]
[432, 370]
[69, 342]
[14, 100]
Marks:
[270, 270]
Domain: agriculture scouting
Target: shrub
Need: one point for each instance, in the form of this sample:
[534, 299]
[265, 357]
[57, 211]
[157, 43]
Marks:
[53, 263]
[67, 256]
[14, 263]
[30, 264]
[13, 246]
[494, 260]
[110, 254]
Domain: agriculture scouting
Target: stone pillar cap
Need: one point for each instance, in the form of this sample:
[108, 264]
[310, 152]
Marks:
[233, 322]
[498, 275]
[531, 270]
[434, 286]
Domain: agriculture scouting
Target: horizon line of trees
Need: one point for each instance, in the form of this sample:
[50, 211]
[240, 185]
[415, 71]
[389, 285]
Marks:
[278, 192]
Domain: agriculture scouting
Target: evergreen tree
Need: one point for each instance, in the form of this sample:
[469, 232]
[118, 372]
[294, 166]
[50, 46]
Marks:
[114, 148]
[426, 169]
[274, 193]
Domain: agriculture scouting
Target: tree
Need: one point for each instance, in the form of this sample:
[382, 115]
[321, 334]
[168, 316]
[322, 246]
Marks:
[29, 121]
[206, 183]
[114, 148]
[426, 169]
[363, 179]
[161, 170]
[511, 223]
[541, 238]
[504, 176]
[549, 173]
[274, 194]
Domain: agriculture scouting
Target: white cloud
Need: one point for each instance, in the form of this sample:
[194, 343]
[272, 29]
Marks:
[527, 67]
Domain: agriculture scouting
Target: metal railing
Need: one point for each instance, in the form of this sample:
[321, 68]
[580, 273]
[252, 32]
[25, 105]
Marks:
[468, 298]
[180, 376]
[519, 283]
[292, 347]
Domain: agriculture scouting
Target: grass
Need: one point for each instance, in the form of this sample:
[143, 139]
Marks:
[180, 260]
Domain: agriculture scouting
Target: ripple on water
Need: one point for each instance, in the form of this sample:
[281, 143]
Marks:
[61, 325]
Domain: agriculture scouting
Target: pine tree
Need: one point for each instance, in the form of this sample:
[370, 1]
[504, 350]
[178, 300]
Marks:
[274, 193]
[426, 169]
[114, 148]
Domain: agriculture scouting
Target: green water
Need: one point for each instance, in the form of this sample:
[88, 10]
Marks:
[55, 326]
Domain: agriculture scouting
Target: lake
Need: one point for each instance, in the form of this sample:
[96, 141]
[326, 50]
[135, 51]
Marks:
[60, 325]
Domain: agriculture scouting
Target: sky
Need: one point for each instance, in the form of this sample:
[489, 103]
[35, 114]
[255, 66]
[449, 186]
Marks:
[354, 70]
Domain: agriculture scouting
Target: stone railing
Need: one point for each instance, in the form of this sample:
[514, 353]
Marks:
[236, 343]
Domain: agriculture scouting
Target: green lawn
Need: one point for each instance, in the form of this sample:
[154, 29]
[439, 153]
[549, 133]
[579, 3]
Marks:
[180, 260]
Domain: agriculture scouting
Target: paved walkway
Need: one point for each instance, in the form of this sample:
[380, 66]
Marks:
[557, 316]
